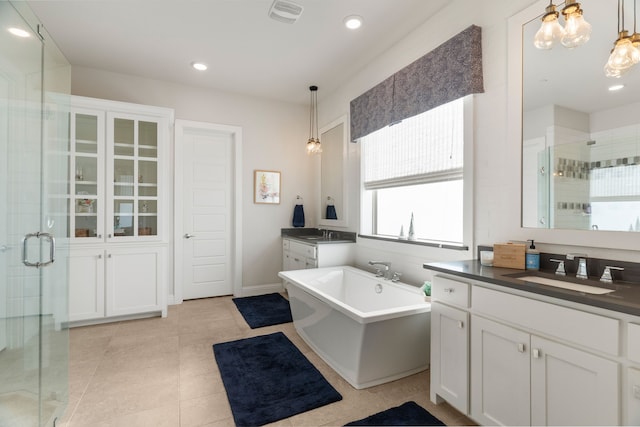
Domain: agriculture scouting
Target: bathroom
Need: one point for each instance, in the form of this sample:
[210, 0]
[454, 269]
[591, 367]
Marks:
[274, 134]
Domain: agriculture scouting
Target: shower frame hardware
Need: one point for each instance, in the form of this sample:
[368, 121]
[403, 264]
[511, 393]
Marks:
[52, 249]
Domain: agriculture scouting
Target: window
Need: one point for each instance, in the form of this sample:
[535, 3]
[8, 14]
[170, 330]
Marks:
[417, 168]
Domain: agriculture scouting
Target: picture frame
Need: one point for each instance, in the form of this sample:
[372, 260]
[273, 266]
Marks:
[266, 187]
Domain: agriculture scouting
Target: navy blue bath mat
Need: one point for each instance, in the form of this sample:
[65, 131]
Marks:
[407, 414]
[264, 310]
[267, 379]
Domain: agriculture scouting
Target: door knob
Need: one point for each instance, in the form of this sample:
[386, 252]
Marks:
[188, 236]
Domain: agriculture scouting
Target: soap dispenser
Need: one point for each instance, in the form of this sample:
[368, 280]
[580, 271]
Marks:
[532, 257]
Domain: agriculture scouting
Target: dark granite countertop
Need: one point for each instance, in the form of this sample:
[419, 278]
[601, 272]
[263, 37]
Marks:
[316, 236]
[624, 299]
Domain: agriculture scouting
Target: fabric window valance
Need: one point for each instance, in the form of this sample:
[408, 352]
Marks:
[450, 71]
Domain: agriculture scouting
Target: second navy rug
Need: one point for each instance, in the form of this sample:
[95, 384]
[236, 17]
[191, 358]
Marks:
[264, 310]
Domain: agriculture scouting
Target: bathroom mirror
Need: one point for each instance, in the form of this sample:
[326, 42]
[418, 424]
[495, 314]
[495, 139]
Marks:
[333, 162]
[580, 139]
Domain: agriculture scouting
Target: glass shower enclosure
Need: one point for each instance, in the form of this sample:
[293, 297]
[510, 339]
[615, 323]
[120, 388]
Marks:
[34, 146]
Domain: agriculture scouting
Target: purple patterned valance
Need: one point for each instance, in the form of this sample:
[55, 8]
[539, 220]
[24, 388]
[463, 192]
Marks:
[450, 71]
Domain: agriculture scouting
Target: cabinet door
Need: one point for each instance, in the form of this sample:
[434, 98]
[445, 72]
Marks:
[133, 174]
[572, 387]
[134, 280]
[450, 356]
[86, 284]
[86, 183]
[500, 368]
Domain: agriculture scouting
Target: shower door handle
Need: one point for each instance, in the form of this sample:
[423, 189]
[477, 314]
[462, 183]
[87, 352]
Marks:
[52, 249]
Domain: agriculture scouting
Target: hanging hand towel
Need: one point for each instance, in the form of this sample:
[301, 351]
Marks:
[298, 216]
[331, 212]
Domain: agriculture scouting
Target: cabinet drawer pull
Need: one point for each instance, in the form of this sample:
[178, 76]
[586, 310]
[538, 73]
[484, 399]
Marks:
[536, 353]
[448, 290]
[521, 348]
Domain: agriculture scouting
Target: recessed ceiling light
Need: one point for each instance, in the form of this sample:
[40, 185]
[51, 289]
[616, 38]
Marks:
[19, 32]
[353, 22]
[199, 66]
[615, 88]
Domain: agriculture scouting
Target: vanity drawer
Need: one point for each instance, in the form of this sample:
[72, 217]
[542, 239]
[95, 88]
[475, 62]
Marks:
[580, 327]
[308, 251]
[633, 341]
[450, 291]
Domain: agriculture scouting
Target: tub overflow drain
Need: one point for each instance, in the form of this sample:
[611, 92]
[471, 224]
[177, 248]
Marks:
[378, 288]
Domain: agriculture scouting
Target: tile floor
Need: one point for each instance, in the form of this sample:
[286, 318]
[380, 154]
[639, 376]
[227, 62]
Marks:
[161, 372]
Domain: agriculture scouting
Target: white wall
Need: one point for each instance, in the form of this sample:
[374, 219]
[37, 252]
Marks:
[274, 131]
[497, 155]
[274, 138]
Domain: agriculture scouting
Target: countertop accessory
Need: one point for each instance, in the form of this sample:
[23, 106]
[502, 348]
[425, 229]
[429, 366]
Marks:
[532, 257]
[509, 255]
[486, 258]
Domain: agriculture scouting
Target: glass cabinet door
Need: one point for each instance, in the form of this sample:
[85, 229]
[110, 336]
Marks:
[134, 176]
[87, 182]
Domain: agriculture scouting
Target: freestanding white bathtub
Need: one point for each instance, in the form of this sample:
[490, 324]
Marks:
[369, 330]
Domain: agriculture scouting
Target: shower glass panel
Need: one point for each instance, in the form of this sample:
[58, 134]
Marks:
[34, 108]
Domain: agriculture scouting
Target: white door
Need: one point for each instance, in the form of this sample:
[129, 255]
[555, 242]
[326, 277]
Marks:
[572, 387]
[450, 356]
[500, 367]
[207, 213]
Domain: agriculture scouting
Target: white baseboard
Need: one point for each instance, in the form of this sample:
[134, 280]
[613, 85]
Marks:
[269, 288]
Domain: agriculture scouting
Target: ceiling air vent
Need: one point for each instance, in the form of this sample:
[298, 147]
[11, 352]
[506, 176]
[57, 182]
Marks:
[285, 11]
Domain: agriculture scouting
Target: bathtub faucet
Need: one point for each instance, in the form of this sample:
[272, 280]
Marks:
[382, 272]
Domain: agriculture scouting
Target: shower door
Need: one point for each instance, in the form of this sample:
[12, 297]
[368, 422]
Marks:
[34, 88]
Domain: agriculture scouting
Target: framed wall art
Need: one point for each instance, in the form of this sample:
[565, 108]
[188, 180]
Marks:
[266, 187]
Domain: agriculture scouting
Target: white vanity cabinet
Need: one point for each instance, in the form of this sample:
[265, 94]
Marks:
[118, 190]
[297, 255]
[450, 343]
[527, 361]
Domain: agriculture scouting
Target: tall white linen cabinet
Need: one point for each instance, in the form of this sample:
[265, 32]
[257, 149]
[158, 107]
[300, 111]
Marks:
[118, 193]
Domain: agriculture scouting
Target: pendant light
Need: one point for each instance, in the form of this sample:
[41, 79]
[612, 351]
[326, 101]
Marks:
[624, 54]
[635, 37]
[550, 31]
[313, 145]
[577, 31]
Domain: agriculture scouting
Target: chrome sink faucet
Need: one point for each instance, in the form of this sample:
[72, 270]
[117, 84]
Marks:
[382, 272]
[582, 265]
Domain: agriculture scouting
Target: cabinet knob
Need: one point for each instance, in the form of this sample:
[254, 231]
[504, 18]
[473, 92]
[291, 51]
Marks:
[109, 256]
[521, 348]
[448, 290]
[188, 236]
[536, 353]
[99, 256]
[460, 324]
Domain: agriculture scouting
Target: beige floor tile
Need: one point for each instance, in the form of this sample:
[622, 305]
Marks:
[162, 372]
[204, 410]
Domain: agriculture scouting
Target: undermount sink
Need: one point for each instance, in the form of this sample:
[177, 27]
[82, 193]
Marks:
[587, 289]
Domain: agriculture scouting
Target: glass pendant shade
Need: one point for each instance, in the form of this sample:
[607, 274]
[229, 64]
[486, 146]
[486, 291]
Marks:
[550, 31]
[313, 144]
[623, 57]
[577, 30]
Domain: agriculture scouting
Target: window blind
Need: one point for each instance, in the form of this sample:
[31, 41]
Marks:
[425, 148]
